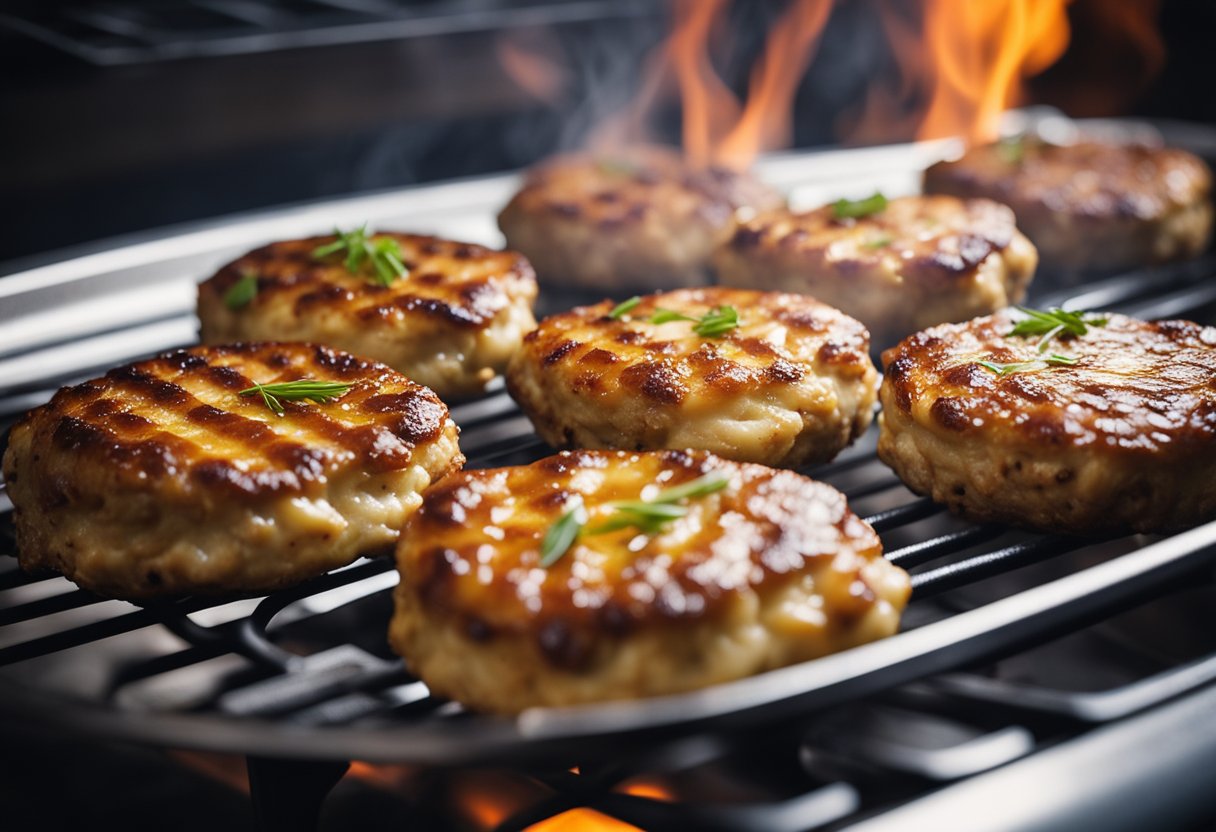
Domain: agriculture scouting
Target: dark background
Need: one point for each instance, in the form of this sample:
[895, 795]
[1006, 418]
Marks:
[128, 115]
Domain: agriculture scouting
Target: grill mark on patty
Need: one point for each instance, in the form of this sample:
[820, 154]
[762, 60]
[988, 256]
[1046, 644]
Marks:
[440, 558]
[254, 437]
[415, 303]
[470, 283]
[1135, 387]
[655, 380]
[559, 352]
[106, 427]
[156, 457]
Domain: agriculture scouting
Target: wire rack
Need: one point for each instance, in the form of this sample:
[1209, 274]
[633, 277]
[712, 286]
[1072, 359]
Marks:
[304, 677]
[124, 32]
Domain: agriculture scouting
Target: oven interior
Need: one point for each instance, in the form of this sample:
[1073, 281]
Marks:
[1023, 660]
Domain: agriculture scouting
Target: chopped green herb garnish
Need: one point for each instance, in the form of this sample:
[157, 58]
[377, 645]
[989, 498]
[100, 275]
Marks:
[877, 242]
[700, 487]
[647, 515]
[562, 534]
[713, 324]
[299, 390]
[1012, 149]
[717, 322]
[662, 316]
[1054, 322]
[1053, 360]
[383, 255]
[617, 167]
[624, 307]
[853, 208]
[242, 292]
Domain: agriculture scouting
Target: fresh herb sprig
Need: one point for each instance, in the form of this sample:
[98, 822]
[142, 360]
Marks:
[624, 307]
[649, 516]
[300, 390]
[1053, 360]
[617, 167]
[1012, 149]
[562, 534]
[855, 208]
[1054, 322]
[383, 255]
[713, 324]
[242, 292]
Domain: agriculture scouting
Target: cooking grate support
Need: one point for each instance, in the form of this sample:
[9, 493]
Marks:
[301, 706]
[139, 32]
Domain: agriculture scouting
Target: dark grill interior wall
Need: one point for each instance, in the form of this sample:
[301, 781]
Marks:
[94, 151]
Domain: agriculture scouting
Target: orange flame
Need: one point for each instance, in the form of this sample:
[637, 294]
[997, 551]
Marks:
[589, 820]
[532, 59]
[228, 769]
[974, 60]
[767, 121]
[708, 104]
[958, 66]
[963, 62]
[716, 129]
[482, 799]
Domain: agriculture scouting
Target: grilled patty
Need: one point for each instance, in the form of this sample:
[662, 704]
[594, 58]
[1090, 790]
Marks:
[1091, 205]
[159, 478]
[639, 219]
[450, 323]
[1123, 439]
[792, 384]
[922, 260]
[773, 569]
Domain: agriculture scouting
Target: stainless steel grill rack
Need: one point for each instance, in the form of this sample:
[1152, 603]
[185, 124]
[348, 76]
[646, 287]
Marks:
[132, 32]
[302, 681]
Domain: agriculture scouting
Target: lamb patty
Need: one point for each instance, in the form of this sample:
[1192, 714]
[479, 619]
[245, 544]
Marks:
[770, 570]
[1121, 437]
[790, 385]
[160, 478]
[1091, 205]
[920, 261]
[450, 322]
[638, 219]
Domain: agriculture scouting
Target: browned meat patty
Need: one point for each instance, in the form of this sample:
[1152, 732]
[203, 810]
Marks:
[920, 261]
[1091, 205]
[161, 478]
[770, 569]
[450, 320]
[790, 385]
[638, 219]
[1117, 432]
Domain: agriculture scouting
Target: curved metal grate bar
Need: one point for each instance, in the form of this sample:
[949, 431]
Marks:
[903, 515]
[954, 575]
[71, 600]
[927, 550]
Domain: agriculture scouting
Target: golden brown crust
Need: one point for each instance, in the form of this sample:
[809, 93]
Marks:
[640, 218]
[159, 478]
[1091, 204]
[1124, 438]
[793, 383]
[923, 260]
[470, 567]
[456, 298]
[175, 423]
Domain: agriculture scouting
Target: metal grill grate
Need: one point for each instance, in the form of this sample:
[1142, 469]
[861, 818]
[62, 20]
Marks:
[121, 32]
[305, 673]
